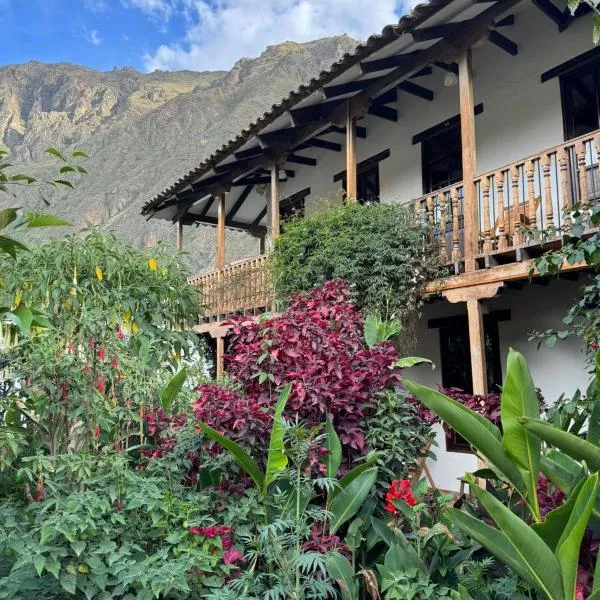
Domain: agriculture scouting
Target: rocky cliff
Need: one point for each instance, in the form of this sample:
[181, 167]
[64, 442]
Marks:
[143, 131]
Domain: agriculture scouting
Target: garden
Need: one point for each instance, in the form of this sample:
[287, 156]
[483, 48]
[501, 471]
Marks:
[127, 472]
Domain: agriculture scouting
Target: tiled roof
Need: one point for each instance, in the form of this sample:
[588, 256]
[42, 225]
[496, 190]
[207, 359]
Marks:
[389, 33]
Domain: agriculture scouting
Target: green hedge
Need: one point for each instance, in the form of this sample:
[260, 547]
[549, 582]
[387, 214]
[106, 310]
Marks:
[380, 249]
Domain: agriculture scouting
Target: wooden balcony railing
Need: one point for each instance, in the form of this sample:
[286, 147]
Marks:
[240, 287]
[517, 202]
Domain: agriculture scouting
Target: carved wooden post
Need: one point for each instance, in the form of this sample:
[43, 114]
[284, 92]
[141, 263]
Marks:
[443, 219]
[221, 231]
[455, 233]
[274, 202]
[477, 343]
[567, 201]
[430, 218]
[514, 176]
[583, 186]
[502, 241]
[179, 236]
[467, 132]
[351, 189]
[545, 165]
[531, 194]
[487, 239]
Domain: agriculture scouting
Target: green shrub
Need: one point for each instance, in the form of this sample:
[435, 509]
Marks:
[379, 249]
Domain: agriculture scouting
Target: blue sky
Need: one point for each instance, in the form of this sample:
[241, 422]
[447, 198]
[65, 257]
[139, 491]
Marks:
[176, 34]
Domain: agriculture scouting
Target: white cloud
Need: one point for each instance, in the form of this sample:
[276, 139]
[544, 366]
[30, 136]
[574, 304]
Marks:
[162, 9]
[92, 36]
[221, 31]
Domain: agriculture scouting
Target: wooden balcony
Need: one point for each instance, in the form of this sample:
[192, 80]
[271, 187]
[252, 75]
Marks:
[519, 205]
[242, 287]
[522, 208]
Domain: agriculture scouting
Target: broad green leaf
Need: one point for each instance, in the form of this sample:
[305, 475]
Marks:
[520, 400]
[39, 561]
[21, 317]
[69, 582]
[351, 475]
[33, 220]
[240, 455]
[64, 182]
[7, 216]
[564, 472]
[476, 429]
[339, 569]
[593, 433]
[11, 246]
[383, 531]
[173, 388]
[504, 549]
[79, 153]
[67, 169]
[412, 361]
[567, 551]
[552, 527]
[371, 322]
[350, 499]
[56, 153]
[277, 459]
[567, 442]
[402, 555]
[334, 459]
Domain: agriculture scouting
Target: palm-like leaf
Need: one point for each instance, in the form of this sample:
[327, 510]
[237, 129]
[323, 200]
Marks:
[276, 457]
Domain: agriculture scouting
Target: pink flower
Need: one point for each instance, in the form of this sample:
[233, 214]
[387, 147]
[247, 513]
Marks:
[97, 431]
[101, 354]
[115, 363]
[70, 348]
[120, 334]
[232, 556]
[100, 385]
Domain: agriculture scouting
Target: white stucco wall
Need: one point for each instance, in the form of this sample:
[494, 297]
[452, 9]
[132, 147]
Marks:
[521, 116]
[556, 370]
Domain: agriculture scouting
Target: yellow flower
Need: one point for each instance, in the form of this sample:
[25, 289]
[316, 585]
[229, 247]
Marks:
[98, 273]
[135, 327]
[73, 292]
[18, 298]
[152, 264]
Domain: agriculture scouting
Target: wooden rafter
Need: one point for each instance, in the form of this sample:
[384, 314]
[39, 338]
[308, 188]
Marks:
[238, 203]
[390, 62]
[503, 42]
[318, 143]
[302, 160]
[361, 132]
[383, 112]
[416, 90]
[553, 13]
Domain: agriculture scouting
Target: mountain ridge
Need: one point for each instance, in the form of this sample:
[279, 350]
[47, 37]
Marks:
[142, 131]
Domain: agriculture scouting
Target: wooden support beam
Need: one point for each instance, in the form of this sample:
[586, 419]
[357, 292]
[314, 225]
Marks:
[467, 132]
[423, 72]
[324, 144]
[424, 34]
[416, 90]
[252, 180]
[506, 21]
[238, 203]
[387, 97]
[351, 188]
[449, 67]
[221, 231]
[333, 91]
[250, 153]
[553, 13]
[301, 160]
[207, 207]
[260, 217]
[390, 62]
[383, 112]
[274, 202]
[314, 113]
[220, 358]
[477, 343]
[179, 236]
[361, 132]
[503, 42]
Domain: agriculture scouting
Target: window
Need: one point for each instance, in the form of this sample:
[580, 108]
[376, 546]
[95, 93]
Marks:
[580, 92]
[442, 159]
[455, 355]
[367, 178]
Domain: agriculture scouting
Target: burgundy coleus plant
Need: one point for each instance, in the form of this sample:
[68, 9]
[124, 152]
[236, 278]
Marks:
[317, 344]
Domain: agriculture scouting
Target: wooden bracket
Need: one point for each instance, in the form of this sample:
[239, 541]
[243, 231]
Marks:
[474, 292]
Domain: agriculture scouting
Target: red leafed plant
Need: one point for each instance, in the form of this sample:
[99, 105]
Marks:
[317, 344]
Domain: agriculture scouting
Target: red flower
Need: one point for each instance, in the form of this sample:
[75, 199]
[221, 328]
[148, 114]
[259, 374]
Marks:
[120, 334]
[97, 431]
[594, 345]
[399, 490]
[101, 353]
[115, 363]
[70, 348]
[100, 386]
[92, 343]
[119, 505]
[211, 532]
[232, 556]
